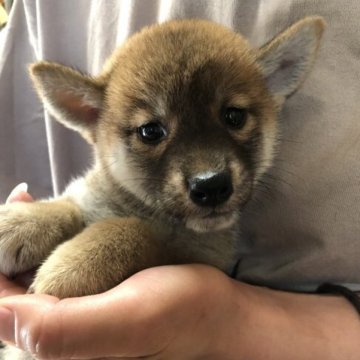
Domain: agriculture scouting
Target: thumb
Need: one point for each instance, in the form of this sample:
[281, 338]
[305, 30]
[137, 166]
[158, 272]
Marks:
[77, 328]
[20, 319]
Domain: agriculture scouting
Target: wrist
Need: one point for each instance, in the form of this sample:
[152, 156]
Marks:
[278, 325]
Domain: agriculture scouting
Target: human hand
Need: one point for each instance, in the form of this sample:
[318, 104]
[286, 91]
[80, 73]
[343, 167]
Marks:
[173, 312]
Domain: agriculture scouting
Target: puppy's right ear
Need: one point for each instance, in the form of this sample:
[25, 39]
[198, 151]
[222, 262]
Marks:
[74, 99]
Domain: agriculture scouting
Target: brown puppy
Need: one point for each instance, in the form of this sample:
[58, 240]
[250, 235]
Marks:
[183, 120]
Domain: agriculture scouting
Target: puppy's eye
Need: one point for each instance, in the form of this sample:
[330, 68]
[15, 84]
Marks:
[152, 132]
[235, 118]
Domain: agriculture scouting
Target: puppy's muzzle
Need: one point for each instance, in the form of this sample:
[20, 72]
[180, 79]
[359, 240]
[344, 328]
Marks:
[210, 189]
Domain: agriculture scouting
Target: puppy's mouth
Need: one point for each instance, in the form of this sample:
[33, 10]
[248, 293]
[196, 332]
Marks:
[216, 214]
[213, 221]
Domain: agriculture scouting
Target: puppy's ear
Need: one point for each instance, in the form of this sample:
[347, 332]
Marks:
[74, 99]
[287, 59]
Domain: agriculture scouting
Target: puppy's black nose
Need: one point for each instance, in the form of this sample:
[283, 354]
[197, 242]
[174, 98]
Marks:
[210, 189]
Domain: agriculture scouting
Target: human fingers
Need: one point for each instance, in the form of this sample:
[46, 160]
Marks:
[19, 193]
[156, 311]
[49, 328]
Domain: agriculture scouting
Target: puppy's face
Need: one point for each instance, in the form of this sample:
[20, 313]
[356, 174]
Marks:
[184, 114]
[188, 124]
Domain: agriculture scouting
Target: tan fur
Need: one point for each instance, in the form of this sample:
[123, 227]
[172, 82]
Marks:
[127, 245]
[135, 201]
[30, 232]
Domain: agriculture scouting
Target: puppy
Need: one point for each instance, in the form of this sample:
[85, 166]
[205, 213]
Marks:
[183, 121]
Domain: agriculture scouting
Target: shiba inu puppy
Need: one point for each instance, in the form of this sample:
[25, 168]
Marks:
[183, 120]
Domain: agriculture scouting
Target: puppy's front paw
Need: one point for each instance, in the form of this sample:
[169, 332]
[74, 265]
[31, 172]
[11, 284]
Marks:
[56, 283]
[18, 225]
[28, 233]
[62, 278]
[99, 258]
[68, 271]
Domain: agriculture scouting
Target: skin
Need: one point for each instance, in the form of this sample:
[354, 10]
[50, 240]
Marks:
[194, 312]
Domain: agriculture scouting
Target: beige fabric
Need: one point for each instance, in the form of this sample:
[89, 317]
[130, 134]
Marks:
[298, 234]
[307, 229]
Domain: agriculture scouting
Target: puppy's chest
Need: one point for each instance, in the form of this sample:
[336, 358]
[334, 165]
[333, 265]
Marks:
[213, 248]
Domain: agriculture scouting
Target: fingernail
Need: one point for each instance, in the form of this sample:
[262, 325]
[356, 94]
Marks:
[7, 322]
[22, 187]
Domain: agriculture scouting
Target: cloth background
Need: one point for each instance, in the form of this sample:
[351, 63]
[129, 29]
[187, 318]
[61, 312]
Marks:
[302, 231]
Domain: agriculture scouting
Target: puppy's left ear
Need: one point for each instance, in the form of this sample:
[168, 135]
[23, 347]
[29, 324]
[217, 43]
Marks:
[287, 59]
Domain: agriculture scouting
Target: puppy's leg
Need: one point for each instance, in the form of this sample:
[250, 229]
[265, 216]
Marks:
[99, 258]
[30, 231]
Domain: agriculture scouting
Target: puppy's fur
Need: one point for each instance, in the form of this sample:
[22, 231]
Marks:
[211, 103]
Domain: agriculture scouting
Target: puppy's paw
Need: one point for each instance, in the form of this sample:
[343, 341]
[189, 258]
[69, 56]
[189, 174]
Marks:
[99, 258]
[18, 225]
[69, 272]
[55, 284]
[63, 279]
[28, 233]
